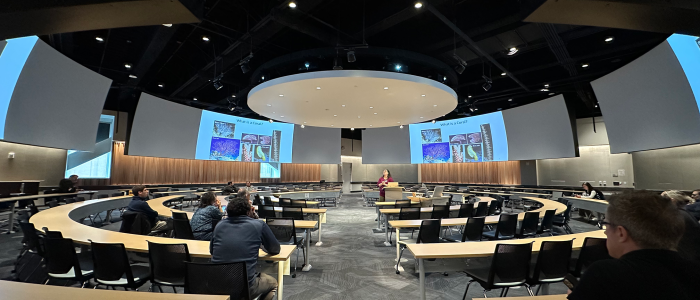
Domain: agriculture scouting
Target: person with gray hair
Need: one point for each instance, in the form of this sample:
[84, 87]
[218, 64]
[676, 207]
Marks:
[643, 230]
[689, 245]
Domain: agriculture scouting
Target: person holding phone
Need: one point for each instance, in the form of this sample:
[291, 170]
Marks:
[643, 230]
[383, 182]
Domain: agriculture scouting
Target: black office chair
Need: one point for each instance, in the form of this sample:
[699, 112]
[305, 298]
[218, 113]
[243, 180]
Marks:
[257, 200]
[465, 210]
[182, 229]
[63, 263]
[299, 203]
[295, 213]
[552, 264]
[167, 263]
[52, 203]
[505, 229]
[285, 202]
[229, 279]
[70, 200]
[440, 212]
[180, 216]
[593, 249]
[482, 209]
[472, 232]
[510, 267]
[546, 225]
[563, 220]
[112, 267]
[285, 232]
[528, 227]
[406, 213]
[266, 211]
[429, 232]
[52, 234]
[31, 240]
[267, 201]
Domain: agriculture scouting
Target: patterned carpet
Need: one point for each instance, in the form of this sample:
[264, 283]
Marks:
[348, 265]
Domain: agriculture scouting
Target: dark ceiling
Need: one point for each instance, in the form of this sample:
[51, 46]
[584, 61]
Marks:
[178, 58]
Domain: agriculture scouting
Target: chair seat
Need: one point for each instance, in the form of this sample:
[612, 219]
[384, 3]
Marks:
[141, 274]
[481, 275]
[455, 237]
[542, 279]
[86, 268]
[492, 236]
[177, 282]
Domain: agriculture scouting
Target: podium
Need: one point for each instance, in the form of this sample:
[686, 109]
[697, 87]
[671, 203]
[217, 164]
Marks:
[393, 193]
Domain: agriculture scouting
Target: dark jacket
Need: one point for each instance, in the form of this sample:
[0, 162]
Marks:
[689, 245]
[135, 223]
[139, 204]
[694, 210]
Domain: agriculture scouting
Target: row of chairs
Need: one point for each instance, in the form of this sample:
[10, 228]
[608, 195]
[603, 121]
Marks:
[511, 264]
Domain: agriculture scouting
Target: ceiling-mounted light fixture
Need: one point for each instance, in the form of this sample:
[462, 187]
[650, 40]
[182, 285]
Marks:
[351, 55]
[585, 65]
[433, 121]
[168, 25]
[205, 38]
[352, 129]
[292, 4]
[398, 67]
[132, 76]
[270, 120]
[503, 74]
[195, 98]
[401, 126]
[302, 125]
[245, 68]
[160, 85]
[512, 51]
[99, 39]
[609, 39]
[127, 66]
[307, 65]
[418, 5]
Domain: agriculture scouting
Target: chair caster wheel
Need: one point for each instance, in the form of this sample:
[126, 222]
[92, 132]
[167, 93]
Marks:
[294, 275]
[398, 272]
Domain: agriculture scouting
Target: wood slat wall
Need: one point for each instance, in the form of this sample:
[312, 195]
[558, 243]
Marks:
[497, 172]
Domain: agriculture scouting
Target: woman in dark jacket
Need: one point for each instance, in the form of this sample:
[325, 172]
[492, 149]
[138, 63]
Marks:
[202, 222]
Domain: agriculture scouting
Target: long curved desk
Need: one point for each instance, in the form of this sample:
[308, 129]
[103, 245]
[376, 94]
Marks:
[14, 200]
[300, 195]
[65, 219]
[486, 248]
[158, 205]
[27, 291]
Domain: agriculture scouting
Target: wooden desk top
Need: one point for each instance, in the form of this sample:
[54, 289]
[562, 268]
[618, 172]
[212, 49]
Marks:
[31, 197]
[456, 193]
[386, 203]
[57, 219]
[494, 193]
[587, 199]
[27, 291]
[528, 193]
[547, 205]
[157, 205]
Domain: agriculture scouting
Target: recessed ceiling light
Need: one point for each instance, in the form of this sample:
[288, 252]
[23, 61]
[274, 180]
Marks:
[281, 116]
[398, 122]
[422, 95]
[205, 38]
[335, 115]
[281, 95]
[512, 51]
[433, 121]
[304, 122]
[544, 90]
[371, 107]
[233, 96]
[127, 65]
[331, 125]
[386, 87]
[358, 117]
[132, 76]
[503, 74]
[269, 105]
[375, 113]
[195, 98]
[318, 87]
[546, 85]
[434, 105]
[609, 39]
[352, 128]
[421, 117]
[370, 125]
[343, 105]
[551, 94]
[292, 4]
[509, 100]
[401, 126]
[302, 125]
[596, 105]
[99, 39]
[270, 120]
[168, 25]
[585, 65]
[469, 96]
[160, 85]
[418, 5]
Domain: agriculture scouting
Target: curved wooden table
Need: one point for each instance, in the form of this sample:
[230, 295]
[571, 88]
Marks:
[64, 219]
[486, 248]
[14, 200]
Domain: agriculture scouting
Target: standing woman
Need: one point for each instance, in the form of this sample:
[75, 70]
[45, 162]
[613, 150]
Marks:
[382, 182]
[202, 221]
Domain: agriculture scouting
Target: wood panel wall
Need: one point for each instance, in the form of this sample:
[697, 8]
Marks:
[497, 172]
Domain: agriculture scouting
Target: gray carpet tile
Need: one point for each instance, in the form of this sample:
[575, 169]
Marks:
[348, 265]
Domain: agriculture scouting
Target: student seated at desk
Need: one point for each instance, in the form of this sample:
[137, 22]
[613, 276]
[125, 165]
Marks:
[203, 219]
[138, 204]
[228, 189]
[643, 230]
[689, 245]
[694, 207]
[238, 238]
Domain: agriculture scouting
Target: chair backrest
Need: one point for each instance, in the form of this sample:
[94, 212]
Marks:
[167, 262]
[285, 202]
[218, 279]
[60, 256]
[440, 212]
[110, 262]
[100, 196]
[553, 260]
[547, 220]
[117, 194]
[507, 223]
[52, 234]
[52, 203]
[70, 200]
[510, 264]
[493, 207]
[529, 224]
[429, 232]
[299, 203]
[266, 211]
[402, 203]
[31, 238]
[295, 213]
[409, 213]
[593, 249]
[283, 229]
[465, 210]
[473, 229]
[437, 192]
[182, 229]
[267, 200]
[180, 216]
[482, 209]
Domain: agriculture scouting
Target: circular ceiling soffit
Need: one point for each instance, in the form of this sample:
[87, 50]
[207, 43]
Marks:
[352, 99]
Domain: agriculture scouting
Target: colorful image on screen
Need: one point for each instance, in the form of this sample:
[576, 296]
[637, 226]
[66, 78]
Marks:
[687, 50]
[473, 139]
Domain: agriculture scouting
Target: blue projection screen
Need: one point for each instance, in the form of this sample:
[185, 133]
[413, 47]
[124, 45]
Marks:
[13, 56]
[687, 50]
[229, 138]
[473, 139]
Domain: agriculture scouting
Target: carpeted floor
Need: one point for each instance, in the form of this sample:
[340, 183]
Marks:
[348, 265]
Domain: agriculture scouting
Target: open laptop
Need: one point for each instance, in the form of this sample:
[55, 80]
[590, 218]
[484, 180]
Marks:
[438, 191]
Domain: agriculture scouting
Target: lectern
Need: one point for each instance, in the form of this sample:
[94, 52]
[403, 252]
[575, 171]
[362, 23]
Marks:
[393, 193]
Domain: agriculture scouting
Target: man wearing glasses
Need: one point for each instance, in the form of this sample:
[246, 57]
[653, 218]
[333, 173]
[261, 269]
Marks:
[694, 208]
[643, 230]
